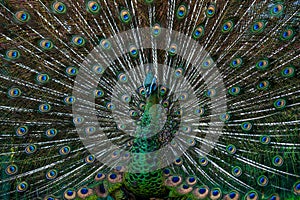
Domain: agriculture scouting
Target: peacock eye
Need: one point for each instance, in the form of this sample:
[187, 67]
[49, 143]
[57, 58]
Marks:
[133, 51]
[12, 54]
[227, 26]
[280, 103]
[263, 85]
[277, 9]
[22, 186]
[51, 174]
[287, 34]
[211, 9]
[105, 44]
[207, 63]
[65, 150]
[14, 92]
[59, 7]
[288, 72]
[156, 30]
[198, 32]
[22, 16]
[172, 49]
[69, 100]
[71, 71]
[125, 16]
[277, 161]
[11, 169]
[231, 149]
[262, 180]
[30, 149]
[46, 44]
[181, 11]
[234, 91]
[93, 7]
[50, 133]
[42, 78]
[258, 27]
[123, 78]
[78, 41]
[236, 171]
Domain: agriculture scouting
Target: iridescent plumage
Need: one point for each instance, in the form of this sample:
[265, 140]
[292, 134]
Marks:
[250, 151]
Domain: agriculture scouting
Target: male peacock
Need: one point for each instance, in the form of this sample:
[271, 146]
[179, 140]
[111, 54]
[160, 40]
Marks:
[149, 99]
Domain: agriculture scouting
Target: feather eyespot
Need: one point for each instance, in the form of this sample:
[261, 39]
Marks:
[89, 159]
[288, 72]
[110, 106]
[105, 44]
[12, 54]
[59, 7]
[123, 78]
[225, 117]
[263, 85]
[296, 188]
[277, 9]
[65, 150]
[98, 93]
[172, 49]
[277, 161]
[236, 62]
[14, 92]
[246, 126]
[251, 195]
[262, 64]
[287, 34]
[207, 63]
[210, 11]
[265, 139]
[93, 7]
[22, 186]
[234, 91]
[98, 69]
[50, 133]
[215, 193]
[133, 51]
[22, 16]
[78, 41]
[21, 131]
[236, 171]
[71, 71]
[42, 78]
[181, 11]
[199, 112]
[262, 180]
[258, 27]
[125, 16]
[69, 100]
[280, 103]
[51, 174]
[198, 32]
[227, 26]
[70, 194]
[46, 44]
[11, 169]
[156, 30]
[231, 149]
[30, 149]
[203, 161]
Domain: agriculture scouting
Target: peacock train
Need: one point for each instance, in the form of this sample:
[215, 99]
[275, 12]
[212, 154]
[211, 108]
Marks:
[149, 99]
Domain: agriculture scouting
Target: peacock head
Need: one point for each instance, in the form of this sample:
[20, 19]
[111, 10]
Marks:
[150, 83]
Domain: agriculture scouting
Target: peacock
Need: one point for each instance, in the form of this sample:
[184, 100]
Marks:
[150, 99]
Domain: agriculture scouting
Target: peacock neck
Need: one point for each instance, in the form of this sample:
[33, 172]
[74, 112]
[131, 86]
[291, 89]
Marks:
[148, 180]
